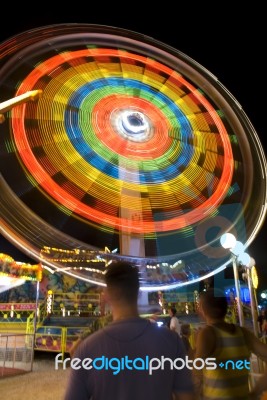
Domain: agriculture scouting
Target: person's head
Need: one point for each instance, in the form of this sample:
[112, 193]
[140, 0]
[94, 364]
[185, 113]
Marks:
[213, 304]
[122, 280]
[172, 311]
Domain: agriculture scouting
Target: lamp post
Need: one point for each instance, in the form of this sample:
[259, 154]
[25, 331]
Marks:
[252, 279]
[250, 266]
[249, 263]
[238, 292]
[228, 241]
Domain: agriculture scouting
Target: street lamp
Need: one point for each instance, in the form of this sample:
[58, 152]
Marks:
[250, 267]
[228, 241]
[236, 248]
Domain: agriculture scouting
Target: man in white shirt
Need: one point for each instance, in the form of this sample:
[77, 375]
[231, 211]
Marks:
[174, 322]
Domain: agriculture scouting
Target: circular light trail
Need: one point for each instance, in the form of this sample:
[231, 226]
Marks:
[130, 139]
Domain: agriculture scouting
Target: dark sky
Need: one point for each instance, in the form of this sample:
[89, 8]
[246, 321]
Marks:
[229, 43]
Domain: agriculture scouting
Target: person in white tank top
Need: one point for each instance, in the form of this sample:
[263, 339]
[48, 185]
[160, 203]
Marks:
[174, 322]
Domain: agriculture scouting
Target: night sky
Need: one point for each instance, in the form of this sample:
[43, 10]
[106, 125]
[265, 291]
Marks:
[229, 43]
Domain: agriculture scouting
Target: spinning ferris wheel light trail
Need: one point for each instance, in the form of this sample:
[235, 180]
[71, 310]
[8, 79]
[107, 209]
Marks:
[128, 144]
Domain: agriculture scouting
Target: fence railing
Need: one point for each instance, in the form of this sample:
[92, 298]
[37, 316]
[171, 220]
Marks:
[16, 354]
[60, 339]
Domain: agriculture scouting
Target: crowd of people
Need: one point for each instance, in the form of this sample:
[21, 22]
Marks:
[132, 358]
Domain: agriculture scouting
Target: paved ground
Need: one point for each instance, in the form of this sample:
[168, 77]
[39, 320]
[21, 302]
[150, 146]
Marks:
[43, 383]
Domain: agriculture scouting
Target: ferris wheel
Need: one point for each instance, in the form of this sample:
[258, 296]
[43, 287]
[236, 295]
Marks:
[117, 146]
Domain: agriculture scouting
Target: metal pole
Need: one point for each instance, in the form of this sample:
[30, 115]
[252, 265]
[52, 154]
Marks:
[35, 321]
[254, 313]
[237, 289]
[252, 303]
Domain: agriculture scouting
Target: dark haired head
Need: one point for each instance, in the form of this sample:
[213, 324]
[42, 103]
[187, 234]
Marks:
[214, 303]
[122, 280]
[173, 311]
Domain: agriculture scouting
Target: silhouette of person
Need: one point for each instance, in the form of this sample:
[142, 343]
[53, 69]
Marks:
[230, 345]
[185, 335]
[174, 321]
[125, 359]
